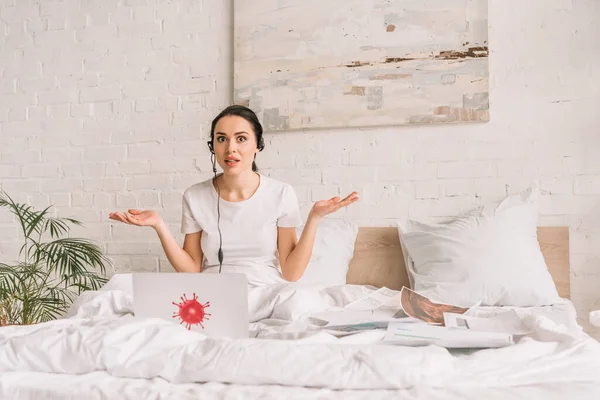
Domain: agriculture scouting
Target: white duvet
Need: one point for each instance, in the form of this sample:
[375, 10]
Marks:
[101, 336]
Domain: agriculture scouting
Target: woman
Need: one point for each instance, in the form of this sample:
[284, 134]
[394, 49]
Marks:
[240, 220]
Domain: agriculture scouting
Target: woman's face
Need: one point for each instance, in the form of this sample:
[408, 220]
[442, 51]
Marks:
[235, 144]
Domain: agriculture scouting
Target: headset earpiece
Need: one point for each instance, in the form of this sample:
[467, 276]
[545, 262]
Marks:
[210, 146]
[261, 143]
[214, 163]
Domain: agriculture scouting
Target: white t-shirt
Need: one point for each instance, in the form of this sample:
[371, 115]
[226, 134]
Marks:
[248, 228]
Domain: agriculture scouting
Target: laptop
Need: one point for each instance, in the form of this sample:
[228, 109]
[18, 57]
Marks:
[213, 304]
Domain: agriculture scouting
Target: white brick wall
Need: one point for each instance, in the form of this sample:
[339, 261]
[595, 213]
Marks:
[106, 105]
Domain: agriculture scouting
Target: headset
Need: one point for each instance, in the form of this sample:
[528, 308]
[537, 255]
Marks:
[261, 146]
[213, 159]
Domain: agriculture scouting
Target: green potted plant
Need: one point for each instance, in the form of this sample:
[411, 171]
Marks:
[53, 268]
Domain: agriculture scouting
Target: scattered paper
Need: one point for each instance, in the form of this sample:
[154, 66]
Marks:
[412, 334]
[357, 327]
[420, 307]
[505, 322]
[412, 319]
[353, 317]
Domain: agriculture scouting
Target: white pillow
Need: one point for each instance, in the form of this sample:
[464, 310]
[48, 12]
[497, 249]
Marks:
[490, 254]
[332, 252]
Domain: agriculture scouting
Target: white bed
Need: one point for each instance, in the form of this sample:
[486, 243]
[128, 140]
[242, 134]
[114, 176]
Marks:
[102, 352]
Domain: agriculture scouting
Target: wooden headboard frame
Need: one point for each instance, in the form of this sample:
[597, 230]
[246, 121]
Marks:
[378, 259]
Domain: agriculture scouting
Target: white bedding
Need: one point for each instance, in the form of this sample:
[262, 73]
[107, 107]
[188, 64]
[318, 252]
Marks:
[101, 342]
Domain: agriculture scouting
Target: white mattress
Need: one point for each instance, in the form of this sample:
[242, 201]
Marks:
[101, 351]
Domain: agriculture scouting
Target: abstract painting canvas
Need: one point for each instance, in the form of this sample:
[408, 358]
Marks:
[303, 64]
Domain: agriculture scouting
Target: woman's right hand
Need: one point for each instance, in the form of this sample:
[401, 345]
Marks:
[138, 218]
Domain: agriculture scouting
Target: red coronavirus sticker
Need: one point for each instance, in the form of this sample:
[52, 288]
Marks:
[191, 312]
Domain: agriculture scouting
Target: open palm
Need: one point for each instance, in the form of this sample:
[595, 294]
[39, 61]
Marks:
[137, 217]
[324, 207]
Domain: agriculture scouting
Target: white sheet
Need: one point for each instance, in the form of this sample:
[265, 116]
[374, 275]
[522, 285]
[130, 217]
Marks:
[100, 385]
[103, 342]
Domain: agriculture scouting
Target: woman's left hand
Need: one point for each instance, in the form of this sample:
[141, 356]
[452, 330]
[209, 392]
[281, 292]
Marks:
[324, 207]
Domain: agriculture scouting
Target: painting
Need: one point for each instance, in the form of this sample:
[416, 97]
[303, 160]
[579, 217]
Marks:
[307, 64]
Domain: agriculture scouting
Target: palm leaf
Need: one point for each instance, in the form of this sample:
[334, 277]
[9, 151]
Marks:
[84, 281]
[37, 222]
[19, 210]
[14, 279]
[73, 221]
[51, 305]
[59, 226]
[29, 275]
[8, 280]
[73, 256]
[32, 219]
[28, 218]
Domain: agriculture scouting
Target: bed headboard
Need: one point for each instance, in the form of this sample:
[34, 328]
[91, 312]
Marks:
[378, 258]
